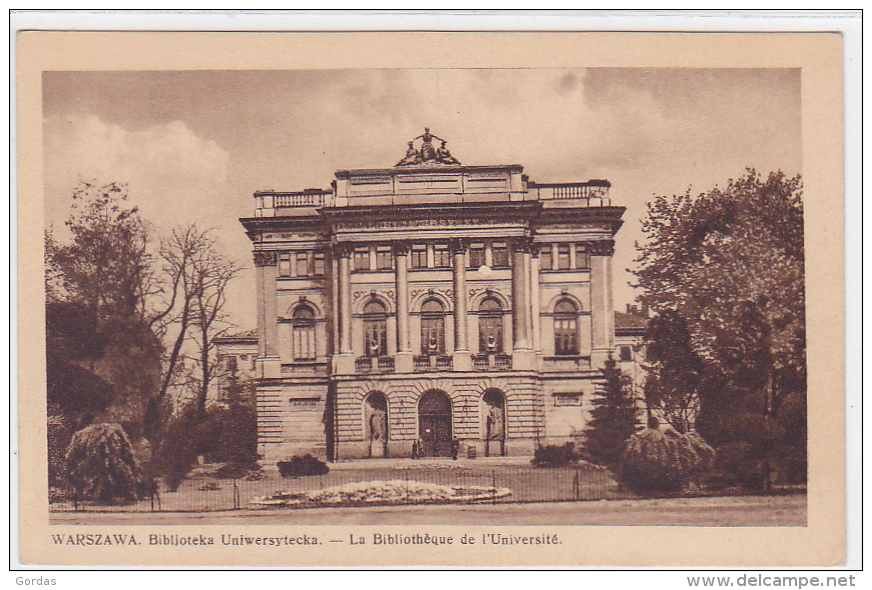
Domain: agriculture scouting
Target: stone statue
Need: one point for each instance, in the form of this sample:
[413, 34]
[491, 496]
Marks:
[495, 422]
[412, 156]
[377, 425]
[443, 156]
[428, 152]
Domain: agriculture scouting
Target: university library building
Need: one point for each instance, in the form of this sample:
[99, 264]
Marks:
[430, 308]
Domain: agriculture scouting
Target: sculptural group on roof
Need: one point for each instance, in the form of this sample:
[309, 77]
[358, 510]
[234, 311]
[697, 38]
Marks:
[428, 153]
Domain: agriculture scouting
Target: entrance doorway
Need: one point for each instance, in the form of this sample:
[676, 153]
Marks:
[434, 424]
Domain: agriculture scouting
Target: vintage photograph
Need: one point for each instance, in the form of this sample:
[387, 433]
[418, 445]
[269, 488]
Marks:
[465, 299]
[284, 289]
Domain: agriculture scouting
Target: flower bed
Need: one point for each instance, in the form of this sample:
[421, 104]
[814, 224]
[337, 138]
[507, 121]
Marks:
[395, 491]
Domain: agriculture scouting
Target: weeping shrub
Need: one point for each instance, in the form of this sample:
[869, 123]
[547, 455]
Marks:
[301, 466]
[655, 461]
[100, 466]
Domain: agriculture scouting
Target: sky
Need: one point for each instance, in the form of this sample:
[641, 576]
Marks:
[195, 145]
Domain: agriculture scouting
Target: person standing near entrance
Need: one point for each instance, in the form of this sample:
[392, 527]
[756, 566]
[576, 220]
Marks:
[455, 448]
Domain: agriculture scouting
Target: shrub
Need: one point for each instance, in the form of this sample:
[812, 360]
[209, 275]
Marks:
[300, 466]
[237, 470]
[100, 466]
[554, 455]
[655, 461]
[741, 464]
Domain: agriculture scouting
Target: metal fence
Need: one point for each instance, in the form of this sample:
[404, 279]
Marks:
[413, 483]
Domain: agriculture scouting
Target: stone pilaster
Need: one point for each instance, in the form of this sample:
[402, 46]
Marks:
[522, 353]
[404, 359]
[344, 362]
[270, 364]
[602, 304]
[534, 301]
[462, 357]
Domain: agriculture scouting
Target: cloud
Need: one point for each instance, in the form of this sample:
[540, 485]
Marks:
[172, 174]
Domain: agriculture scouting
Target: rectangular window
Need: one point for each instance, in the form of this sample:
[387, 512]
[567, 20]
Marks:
[302, 268]
[545, 258]
[284, 264]
[419, 256]
[383, 258]
[500, 254]
[563, 256]
[476, 255]
[441, 256]
[626, 353]
[231, 364]
[361, 259]
[320, 264]
[582, 256]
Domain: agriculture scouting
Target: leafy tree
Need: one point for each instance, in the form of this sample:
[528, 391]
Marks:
[613, 419]
[674, 371]
[729, 264]
[99, 284]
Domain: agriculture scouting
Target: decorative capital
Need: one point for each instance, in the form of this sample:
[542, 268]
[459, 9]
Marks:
[601, 248]
[264, 258]
[401, 248]
[343, 249]
[458, 245]
[524, 244]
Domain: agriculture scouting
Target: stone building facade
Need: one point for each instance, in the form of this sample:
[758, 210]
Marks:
[430, 308]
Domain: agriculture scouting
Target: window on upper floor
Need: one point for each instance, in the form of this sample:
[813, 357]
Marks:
[303, 344]
[432, 328]
[565, 328]
[361, 259]
[582, 256]
[375, 320]
[490, 327]
[545, 257]
[320, 264]
[284, 264]
[476, 255]
[302, 267]
[626, 353]
[384, 259]
[230, 364]
[563, 256]
[500, 254]
[441, 256]
[419, 256]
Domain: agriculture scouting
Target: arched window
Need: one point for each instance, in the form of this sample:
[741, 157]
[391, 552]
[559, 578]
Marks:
[303, 322]
[565, 328]
[432, 328]
[490, 326]
[375, 320]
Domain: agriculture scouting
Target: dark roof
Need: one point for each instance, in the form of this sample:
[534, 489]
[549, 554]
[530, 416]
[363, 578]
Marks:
[248, 336]
[630, 323]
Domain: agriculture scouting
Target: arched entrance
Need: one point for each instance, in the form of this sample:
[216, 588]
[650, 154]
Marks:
[376, 424]
[434, 424]
[494, 406]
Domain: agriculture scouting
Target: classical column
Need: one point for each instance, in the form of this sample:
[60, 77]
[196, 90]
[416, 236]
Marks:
[602, 306]
[523, 357]
[345, 299]
[520, 295]
[404, 362]
[267, 321]
[462, 358]
[534, 300]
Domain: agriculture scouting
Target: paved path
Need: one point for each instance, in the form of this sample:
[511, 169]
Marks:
[710, 512]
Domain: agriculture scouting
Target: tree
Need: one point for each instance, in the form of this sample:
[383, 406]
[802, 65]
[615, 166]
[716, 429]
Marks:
[100, 464]
[98, 288]
[674, 371]
[730, 264]
[613, 419]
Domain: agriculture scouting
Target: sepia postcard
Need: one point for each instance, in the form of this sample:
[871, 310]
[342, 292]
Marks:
[431, 299]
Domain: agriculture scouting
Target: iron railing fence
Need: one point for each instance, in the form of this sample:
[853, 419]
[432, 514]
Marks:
[419, 482]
